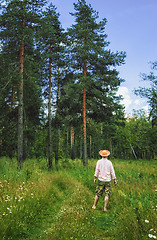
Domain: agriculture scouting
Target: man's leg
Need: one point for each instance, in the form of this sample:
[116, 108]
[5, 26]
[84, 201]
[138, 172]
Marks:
[106, 202]
[95, 201]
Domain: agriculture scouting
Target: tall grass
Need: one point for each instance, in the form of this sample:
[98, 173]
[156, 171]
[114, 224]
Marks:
[36, 203]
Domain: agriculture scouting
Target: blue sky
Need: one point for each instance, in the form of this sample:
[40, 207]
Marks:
[131, 27]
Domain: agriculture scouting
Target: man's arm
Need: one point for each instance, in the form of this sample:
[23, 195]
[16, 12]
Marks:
[96, 172]
[115, 182]
[113, 175]
[95, 179]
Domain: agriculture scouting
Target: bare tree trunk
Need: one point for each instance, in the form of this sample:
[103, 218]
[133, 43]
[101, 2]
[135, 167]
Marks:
[111, 150]
[1, 132]
[90, 149]
[101, 129]
[85, 161]
[72, 144]
[12, 100]
[57, 141]
[20, 107]
[49, 118]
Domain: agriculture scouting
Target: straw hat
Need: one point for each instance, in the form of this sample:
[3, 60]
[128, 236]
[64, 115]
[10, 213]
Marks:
[104, 153]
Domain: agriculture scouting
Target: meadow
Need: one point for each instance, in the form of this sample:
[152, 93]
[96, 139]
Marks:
[37, 203]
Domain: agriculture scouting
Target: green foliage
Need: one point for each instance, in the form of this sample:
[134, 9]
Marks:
[57, 204]
[87, 47]
[84, 44]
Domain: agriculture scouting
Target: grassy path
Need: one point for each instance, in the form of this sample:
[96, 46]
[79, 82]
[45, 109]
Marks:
[38, 204]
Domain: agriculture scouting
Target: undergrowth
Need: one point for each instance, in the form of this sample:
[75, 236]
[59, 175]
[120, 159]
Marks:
[37, 203]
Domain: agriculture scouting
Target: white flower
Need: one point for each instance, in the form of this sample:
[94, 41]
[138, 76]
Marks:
[147, 221]
[152, 236]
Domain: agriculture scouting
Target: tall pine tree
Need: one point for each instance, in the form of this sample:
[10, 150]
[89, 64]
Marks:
[50, 44]
[18, 23]
[93, 66]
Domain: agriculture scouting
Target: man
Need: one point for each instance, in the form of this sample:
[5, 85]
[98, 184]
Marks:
[104, 170]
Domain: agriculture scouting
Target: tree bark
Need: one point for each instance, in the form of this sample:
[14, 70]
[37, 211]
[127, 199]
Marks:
[72, 144]
[49, 118]
[111, 150]
[20, 106]
[90, 149]
[85, 161]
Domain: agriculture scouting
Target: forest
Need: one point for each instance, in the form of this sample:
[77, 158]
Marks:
[58, 88]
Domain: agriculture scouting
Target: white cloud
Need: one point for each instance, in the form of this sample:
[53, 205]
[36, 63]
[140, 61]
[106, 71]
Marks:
[137, 102]
[131, 101]
[146, 109]
[127, 101]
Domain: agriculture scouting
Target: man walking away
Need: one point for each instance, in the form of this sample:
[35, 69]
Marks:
[104, 170]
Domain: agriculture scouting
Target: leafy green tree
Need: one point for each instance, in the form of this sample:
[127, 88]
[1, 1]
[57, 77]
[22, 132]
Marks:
[133, 139]
[93, 65]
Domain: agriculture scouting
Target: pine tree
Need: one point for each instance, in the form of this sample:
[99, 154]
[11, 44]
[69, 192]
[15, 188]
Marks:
[50, 43]
[93, 65]
[18, 22]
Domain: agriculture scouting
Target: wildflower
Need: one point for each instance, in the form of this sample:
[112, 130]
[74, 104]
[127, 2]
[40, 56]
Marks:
[147, 221]
[151, 236]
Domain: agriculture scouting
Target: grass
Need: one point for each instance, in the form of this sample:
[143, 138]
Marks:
[36, 203]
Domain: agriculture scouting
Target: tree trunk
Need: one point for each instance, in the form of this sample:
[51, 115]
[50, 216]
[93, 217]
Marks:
[72, 144]
[111, 150]
[12, 100]
[57, 145]
[20, 107]
[90, 149]
[101, 128]
[57, 140]
[49, 119]
[85, 161]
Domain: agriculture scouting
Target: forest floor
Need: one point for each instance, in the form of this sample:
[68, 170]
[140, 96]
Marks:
[36, 203]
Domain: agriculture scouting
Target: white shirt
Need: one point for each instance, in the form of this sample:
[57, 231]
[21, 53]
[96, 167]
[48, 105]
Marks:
[104, 170]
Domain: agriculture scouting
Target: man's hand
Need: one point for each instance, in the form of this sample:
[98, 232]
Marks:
[95, 180]
[115, 182]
